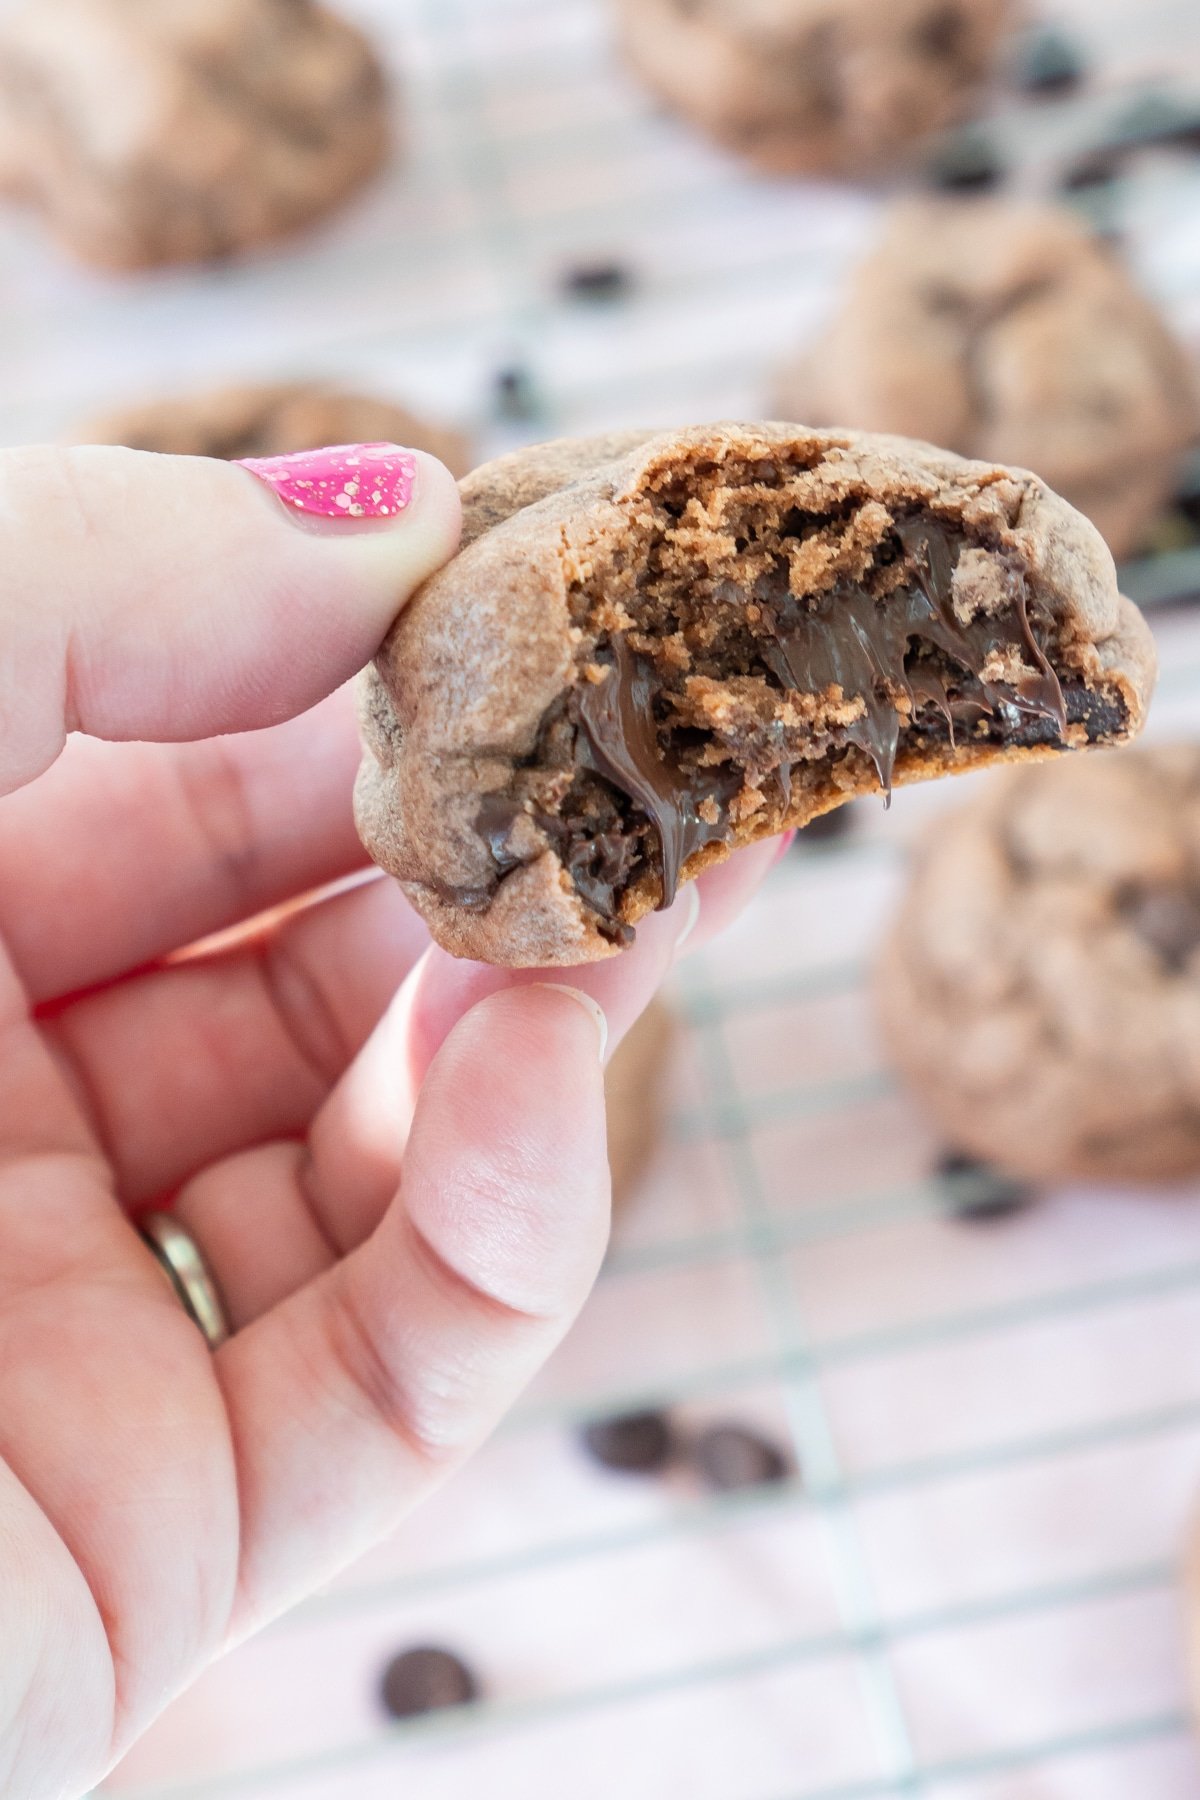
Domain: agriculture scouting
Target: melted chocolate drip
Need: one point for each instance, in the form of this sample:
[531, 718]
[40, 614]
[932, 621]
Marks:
[600, 863]
[620, 742]
[495, 819]
[845, 639]
[850, 640]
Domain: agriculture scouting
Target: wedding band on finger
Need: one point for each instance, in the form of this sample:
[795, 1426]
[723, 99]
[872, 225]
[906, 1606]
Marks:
[182, 1261]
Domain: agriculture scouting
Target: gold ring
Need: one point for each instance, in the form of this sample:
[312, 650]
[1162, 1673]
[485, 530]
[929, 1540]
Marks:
[194, 1283]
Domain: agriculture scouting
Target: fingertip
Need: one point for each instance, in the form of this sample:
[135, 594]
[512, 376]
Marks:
[442, 988]
[542, 1025]
[393, 514]
[422, 536]
[592, 1007]
[436, 491]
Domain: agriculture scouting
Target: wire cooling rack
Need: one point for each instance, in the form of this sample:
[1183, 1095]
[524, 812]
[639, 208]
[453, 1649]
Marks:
[968, 1588]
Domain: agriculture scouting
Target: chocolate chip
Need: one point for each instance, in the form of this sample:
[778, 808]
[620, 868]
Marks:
[1168, 919]
[1049, 62]
[829, 828]
[731, 1457]
[968, 165]
[597, 281]
[515, 393]
[1099, 168]
[424, 1680]
[976, 1192]
[635, 1443]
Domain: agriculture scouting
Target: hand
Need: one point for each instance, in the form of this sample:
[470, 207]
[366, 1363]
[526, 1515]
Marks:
[394, 1163]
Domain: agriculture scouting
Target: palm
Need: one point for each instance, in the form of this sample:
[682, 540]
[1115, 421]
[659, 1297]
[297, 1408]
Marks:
[156, 1501]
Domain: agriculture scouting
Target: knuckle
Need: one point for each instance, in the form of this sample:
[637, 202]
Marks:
[305, 1011]
[428, 1403]
[490, 1234]
[68, 489]
[217, 801]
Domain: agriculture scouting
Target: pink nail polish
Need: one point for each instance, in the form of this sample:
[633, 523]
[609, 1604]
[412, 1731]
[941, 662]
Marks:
[349, 481]
[785, 844]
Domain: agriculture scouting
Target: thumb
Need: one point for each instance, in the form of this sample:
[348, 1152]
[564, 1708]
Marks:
[173, 598]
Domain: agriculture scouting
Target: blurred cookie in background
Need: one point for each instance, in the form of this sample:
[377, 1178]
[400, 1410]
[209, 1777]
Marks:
[1008, 332]
[1040, 986]
[273, 420]
[816, 86]
[637, 1085]
[149, 133]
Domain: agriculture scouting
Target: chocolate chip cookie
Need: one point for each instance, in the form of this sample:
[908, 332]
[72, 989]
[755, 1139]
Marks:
[826, 86]
[1040, 989]
[146, 132]
[635, 1087]
[279, 420]
[1007, 331]
[654, 649]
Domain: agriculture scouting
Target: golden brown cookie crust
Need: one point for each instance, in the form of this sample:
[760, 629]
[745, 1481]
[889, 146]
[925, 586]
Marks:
[278, 419]
[819, 86]
[569, 551]
[1040, 987]
[1007, 331]
[148, 132]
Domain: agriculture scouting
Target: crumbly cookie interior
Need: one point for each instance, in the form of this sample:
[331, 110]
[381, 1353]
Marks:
[753, 652]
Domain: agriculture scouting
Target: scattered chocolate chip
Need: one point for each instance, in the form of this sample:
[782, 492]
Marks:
[731, 1457]
[1048, 62]
[426, 1680]
[830, 827]
[637, 1443]
[597, 281]
[976, 1192]
[968, 165]
[516, 393]
[1168, 919]
[1099, 168]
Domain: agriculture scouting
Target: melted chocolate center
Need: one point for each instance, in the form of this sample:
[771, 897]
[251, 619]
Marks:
[620, 742]
[845, 640]
[852, 641]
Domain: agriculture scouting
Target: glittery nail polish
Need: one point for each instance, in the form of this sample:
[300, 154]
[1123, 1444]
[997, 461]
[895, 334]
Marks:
[348, 481]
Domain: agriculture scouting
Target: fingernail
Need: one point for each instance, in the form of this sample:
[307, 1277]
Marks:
[592, 1008]
[689, 907]
[785, 844]
[348, 481]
